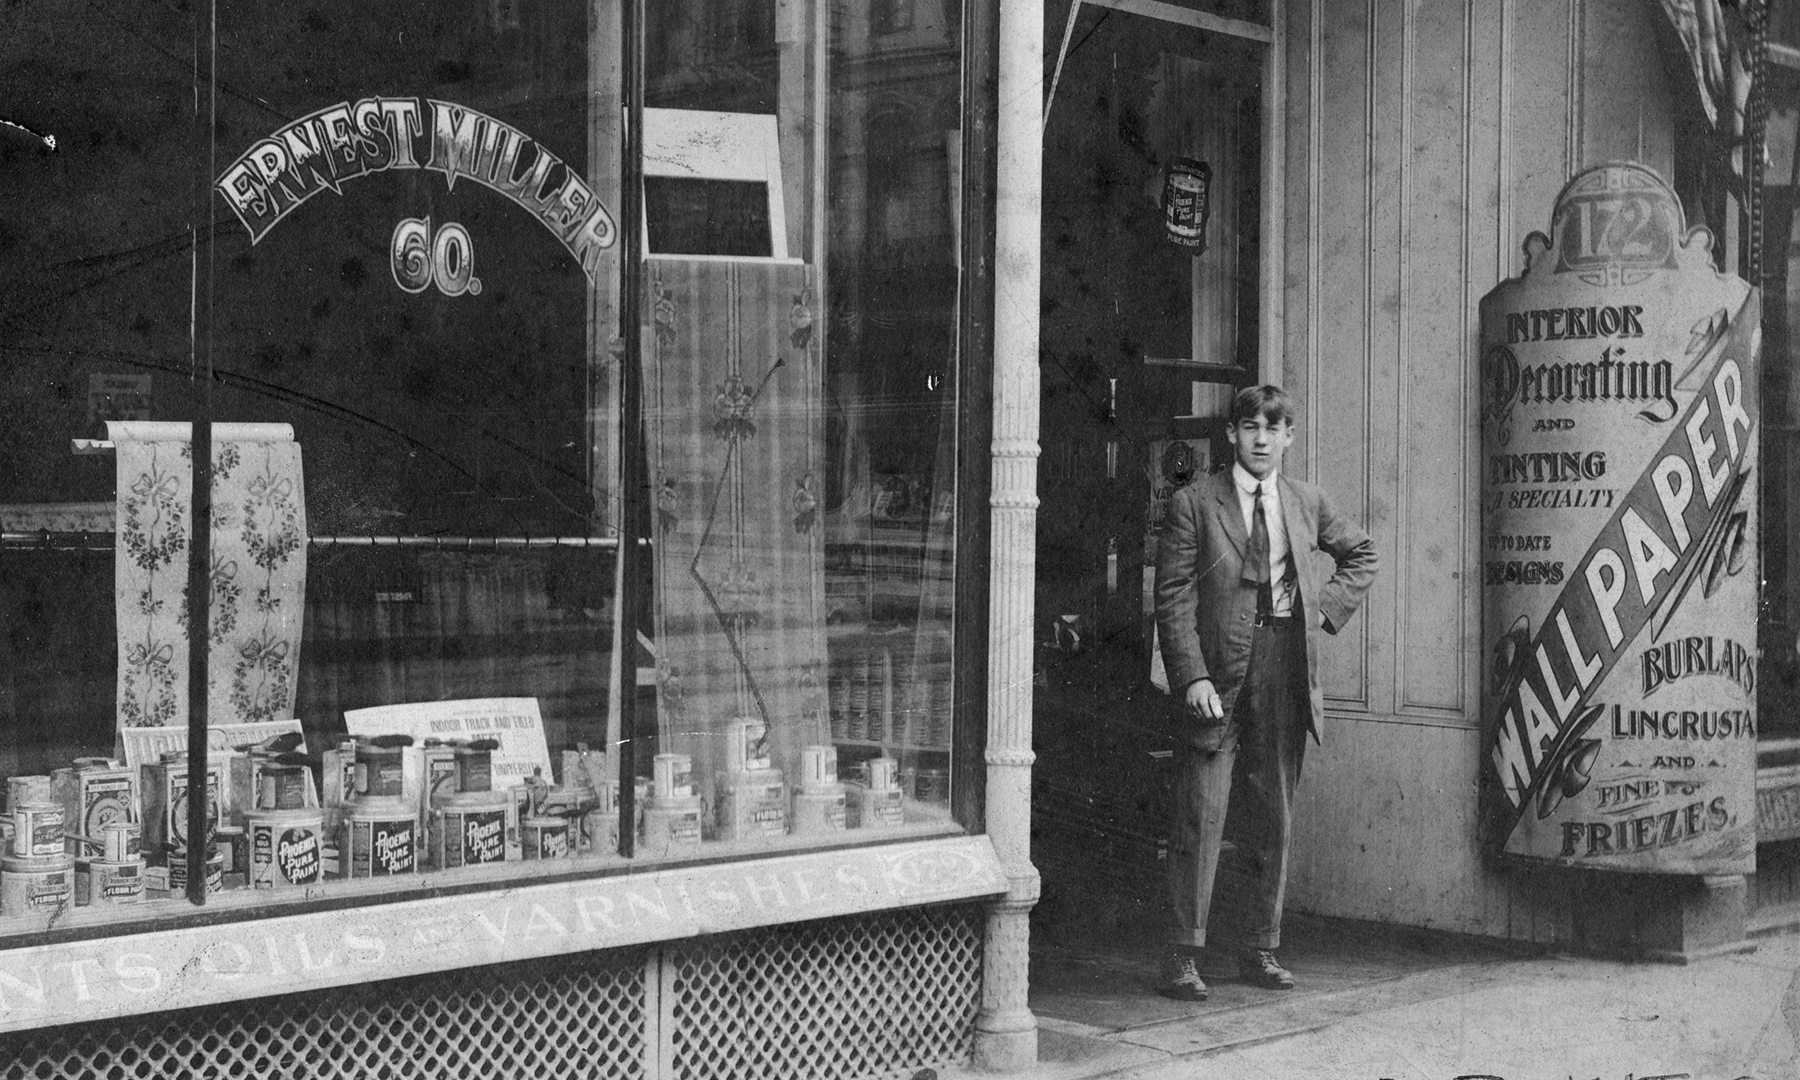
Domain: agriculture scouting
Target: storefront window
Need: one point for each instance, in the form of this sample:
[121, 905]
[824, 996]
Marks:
[376, 251]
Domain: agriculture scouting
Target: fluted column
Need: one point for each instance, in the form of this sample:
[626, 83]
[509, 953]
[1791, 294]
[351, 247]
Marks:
[1005, 1030]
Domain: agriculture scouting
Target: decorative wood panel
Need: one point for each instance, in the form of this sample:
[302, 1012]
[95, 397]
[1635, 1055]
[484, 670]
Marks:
[1435, 613]
[1338, 445]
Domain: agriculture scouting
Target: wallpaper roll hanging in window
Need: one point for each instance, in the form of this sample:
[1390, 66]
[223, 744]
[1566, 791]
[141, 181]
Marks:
[258, 572]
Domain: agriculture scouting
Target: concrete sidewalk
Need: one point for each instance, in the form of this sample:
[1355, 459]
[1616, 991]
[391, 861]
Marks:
[1378, 1004]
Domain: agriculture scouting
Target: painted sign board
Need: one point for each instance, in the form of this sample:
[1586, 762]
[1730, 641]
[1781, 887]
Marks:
[1619, 529]
[1777, 805]
[94, 979]
[515, 723]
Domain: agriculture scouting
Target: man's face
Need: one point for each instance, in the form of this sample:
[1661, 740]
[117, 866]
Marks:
[1260, 444]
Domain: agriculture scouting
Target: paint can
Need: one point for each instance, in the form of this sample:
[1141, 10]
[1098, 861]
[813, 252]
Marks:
[234, 848]
[746, 745]
[468, 828]
[38, 830]
[214, 868]
[751, 805]
[282, 787]
[440, 769]
[882, 773]
[109, 882]
[818, 766]
[166, 801]
[820, 804]
[21, 790]
[600, 832]
[380, 838]
[96, 791]
[1187, 186]
[674, 777]
[36, 886]
[820, 812]
[380, 771]
[932, 786]
[121, 840]
[670, 823]
[545, 837]
[474, 769]
[881, 804]
[337, 773]
[286, 847]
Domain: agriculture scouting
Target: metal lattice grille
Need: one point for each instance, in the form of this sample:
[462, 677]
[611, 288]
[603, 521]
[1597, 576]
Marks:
[873, 996]
[851, 998]
[579, 1017]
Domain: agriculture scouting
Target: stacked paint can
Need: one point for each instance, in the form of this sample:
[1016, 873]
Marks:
[751, 795]
[378, 830]
[36, 873]
[213, 869]
[879, 803]
[469, 825]
[108, 883]
[547, 836]
[379, 838]
[672, 816]
[94, 791]
[440, 770]
[115, 876]
[380, 771]
[165, 797]
[234, 851]
[600, 825]
[468, 828]
[819, 804]
[595, 787]
[284, 837]
[337, 778]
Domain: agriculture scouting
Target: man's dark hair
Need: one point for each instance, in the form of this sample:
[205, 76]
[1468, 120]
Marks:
[1269, 402]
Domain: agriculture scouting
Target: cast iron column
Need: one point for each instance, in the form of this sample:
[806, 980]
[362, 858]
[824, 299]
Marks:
[1005, 1030]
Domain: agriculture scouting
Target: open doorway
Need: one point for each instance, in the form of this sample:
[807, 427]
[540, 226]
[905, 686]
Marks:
[1151, 318]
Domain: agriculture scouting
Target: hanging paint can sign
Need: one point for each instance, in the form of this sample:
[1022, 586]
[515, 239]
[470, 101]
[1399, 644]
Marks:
[1619, 565]
[1186, 202]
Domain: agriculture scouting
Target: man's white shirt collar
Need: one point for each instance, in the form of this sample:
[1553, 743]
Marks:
[1247, 483]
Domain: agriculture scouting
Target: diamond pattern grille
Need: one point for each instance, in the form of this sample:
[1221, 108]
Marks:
[576, 1017]
[866, 997]
[875, 996]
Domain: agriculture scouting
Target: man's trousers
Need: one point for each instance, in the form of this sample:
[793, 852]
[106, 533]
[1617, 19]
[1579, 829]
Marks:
[1253, 773]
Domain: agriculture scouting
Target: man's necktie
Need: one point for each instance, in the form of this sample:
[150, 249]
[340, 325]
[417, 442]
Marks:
[1258, 570]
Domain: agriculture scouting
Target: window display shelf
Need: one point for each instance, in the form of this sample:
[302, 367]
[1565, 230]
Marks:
[241, 949]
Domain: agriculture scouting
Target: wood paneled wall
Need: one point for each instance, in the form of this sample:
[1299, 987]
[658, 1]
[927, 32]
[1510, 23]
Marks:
[1424, 140]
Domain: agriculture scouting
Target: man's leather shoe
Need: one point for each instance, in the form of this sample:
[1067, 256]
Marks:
[1181, 978]
[1260, 968]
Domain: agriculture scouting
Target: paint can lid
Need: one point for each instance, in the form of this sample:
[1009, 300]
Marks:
[675, 804]
[19, 864]
[379, 808]
[472, 800]
[299, 815]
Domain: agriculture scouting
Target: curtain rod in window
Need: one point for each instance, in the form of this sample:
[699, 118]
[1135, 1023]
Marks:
[60, 540]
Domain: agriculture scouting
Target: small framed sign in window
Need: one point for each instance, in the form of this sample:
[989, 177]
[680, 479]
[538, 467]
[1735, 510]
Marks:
[712, 185]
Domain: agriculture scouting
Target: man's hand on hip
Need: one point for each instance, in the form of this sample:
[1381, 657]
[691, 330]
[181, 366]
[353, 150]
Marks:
[1203, 700]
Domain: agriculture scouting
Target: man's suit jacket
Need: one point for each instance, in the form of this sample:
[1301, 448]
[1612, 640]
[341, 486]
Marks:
[1206, 612]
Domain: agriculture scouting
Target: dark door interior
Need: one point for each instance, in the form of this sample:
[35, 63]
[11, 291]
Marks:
[1143, 341]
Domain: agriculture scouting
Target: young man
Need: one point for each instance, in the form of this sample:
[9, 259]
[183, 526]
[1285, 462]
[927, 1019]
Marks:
[1242, 591]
